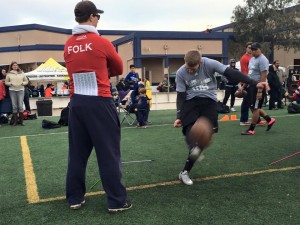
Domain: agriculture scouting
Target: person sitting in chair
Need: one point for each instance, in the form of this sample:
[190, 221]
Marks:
[295, 97]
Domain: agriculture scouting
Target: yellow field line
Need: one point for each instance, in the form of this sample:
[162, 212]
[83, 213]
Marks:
[169, 183]
[31, 186]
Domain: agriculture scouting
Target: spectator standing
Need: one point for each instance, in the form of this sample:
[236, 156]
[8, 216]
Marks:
[275, 88]
[16, 80]
[244, 62]
[132, 78]
[93, 118]
[230, 89]
[26, 96]
[2, 91]
[258, 70]
[142, 108]
[6, 107]
[282, 78]
[42, 90]
[148, 90]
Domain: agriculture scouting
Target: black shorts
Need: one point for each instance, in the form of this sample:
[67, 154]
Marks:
[198, 107]
[251, 93]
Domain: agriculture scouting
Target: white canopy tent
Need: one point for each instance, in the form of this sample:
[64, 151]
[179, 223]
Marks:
[48, 71]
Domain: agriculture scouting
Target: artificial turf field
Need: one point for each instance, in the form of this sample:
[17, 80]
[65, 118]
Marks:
[234, 184]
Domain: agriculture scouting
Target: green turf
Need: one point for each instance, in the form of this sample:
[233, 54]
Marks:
[268, 198]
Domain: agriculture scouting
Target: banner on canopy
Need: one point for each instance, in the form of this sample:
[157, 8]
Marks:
[48, 71]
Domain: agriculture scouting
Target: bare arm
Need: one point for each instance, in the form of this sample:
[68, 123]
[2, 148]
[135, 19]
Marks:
[264, 75]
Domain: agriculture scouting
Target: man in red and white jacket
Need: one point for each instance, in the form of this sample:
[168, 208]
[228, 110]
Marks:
[93, 120]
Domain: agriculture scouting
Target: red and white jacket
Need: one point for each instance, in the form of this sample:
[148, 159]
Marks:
[88, 55]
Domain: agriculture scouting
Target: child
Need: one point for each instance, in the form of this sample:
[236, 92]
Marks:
[142, 108]
[295, 97]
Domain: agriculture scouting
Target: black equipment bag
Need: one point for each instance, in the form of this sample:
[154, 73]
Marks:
[47, 124]
[221, 108]
[293, 108]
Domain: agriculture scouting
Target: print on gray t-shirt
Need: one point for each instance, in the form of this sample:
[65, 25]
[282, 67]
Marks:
[256, 66]
[201, 84]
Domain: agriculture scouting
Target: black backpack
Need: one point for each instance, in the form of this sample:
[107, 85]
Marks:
[221, 108]
[64, 116]
[293, 108]
[47, 124]
[4, 119]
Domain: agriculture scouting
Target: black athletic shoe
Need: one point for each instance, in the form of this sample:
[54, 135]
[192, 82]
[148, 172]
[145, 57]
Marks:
[127, 205]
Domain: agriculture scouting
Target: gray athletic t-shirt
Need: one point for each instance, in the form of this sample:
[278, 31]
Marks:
[201, 84]
[256, 66]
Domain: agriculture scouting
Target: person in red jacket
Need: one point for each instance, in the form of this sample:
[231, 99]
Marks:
[48, 90]
[244, 62]
[93, 120]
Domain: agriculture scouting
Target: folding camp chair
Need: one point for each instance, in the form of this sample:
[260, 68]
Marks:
[124, 110]
[127, 115]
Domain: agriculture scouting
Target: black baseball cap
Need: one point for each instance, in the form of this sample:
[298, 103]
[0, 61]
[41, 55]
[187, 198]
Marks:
[86, 8]
[255, 46]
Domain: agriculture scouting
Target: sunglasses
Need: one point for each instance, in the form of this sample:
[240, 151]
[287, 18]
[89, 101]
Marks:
[96, 15]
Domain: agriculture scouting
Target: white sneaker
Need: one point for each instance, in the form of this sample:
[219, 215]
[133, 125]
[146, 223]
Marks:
[195, 153]
[184, 177]
[232, 110]
[77, 206]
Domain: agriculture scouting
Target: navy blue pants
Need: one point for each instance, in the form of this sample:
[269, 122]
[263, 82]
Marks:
[142, 115]
[245, 110]
[229, 92]
[94, 122]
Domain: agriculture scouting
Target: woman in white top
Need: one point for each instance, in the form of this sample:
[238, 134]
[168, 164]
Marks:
[16, 80]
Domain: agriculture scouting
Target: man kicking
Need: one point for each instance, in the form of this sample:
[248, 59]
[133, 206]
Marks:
[196, 88]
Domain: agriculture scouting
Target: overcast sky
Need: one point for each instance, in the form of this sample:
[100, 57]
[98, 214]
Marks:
[163, 15]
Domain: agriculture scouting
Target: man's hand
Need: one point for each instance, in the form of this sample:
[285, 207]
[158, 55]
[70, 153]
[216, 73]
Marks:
[262, 85]
[177, 123]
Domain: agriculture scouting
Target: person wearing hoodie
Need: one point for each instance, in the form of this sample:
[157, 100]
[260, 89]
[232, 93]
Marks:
[275, 88]
[132, 78]
[230, 89]
[16, 80]
[93, 119]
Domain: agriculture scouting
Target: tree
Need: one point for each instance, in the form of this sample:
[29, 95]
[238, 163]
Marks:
[235, 49]
[273, 23]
